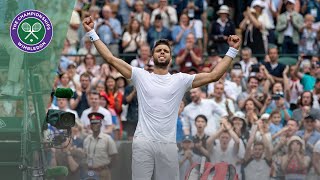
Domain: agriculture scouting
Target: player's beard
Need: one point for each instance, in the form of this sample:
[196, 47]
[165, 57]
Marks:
[161, 65]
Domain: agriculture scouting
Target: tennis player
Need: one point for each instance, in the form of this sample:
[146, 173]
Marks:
[154, 149]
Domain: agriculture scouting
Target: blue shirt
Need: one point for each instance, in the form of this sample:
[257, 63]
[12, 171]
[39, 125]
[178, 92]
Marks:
[154, 35]
[182, 43]
[179, 130]
[315, 136]
[273, 128]
[308, 82]
[105, 32]
[283, 120]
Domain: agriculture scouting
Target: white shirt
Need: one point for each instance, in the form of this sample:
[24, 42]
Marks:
[289, 30]
[229, 87]
[257, 170]
[159, 98]
[246, 68]
[206, 107]
[165, 18]
[107, 120]
[67, 110]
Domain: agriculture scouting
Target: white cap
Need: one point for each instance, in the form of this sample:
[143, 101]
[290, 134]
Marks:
[223, 9]
[265, 116]
[292, 1]
[239, 115]
[257, 3]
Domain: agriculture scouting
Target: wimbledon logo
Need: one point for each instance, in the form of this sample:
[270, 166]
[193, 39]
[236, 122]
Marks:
[31, 31]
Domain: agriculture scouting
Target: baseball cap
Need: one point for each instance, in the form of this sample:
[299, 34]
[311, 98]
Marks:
[187, 138]
[95, 117]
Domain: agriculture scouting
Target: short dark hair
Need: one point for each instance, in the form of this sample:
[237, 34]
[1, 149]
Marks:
[252, 77]
[201, 116]
[85, 74]
[258, 143]
[161, 42]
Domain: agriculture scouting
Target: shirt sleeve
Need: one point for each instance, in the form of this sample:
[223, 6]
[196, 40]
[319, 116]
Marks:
[84, 118]
[126, 37]
[187, 80]
[108, 118]
[136, 73]
[112, 148]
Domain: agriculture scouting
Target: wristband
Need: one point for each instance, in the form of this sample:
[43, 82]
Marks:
[93, 36]
[232, 52]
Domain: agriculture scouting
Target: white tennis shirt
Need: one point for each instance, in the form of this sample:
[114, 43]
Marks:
[159, 98]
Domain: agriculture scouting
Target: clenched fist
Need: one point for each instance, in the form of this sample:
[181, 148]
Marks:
[234, 41]
[88, 23]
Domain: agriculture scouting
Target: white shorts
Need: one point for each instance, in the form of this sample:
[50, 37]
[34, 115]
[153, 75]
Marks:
[154, 158]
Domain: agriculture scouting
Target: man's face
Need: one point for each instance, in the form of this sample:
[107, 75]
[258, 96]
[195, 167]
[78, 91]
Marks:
[62, 103]
[245, 55]
[273, 54]
[195, 94]
[253, 83]
[309, 124]
[292, 128]
[219, 89]
[187, 145]
[106, 12]
[200, 123]
[258, 151]
[94, 100]
[95, 127]
[190, 39]
[85, 82]
[162, 56]
[224, 139]
[144, 52]
[306, 99]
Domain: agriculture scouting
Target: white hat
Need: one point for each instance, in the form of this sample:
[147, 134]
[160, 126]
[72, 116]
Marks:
[239, 115]
[257, 3]
[265, 116]
[223, 9]
[292, 1]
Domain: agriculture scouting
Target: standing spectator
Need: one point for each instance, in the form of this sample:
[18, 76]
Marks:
[309, 134]
[109, 29]
[70, 157]
[79, 101]
[273, 66]
[308, 43]
[289, 25]
[200, 139]
[168, 14]
[113, 95]
[305, 107]
[143, 57]
[275, 122]
[187, 157]
[207, 107]
[142, 16]
[295, 164]
[221, 29]
[252, 31]
[179, 33]
[220, 98]
[73, 75]
[257, 159]
[124, 10]
[246, 61]
[89, 66]
[252, 89]
[100, 148]
[72, 33]
[157, 31]
[190, 56]
[307, 80]
[95, 107]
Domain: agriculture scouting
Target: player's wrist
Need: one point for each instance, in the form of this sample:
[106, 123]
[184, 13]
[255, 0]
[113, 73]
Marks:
[232, 52]
[93, 36]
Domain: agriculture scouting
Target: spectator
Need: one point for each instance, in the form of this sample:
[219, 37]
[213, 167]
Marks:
[143, 57]
[124, 10]
[157, 31]
[121, 83]
[309, 134]
[289, 25]
[208, 107]
[101, 76]
[109, 29]
[142, 16]
[305, 107]
[295, 164]
[273, 66]
[88, 48]
[252, 89]
[63, 106]
[200, 138]
[251, 112]
[132, 39]
[187, 157]
[296, 87]
[225, 146]
[89, 66]
[221, 29]
[316, 159]
[72, 33]
[79, 101]
[113, 95]
[190, 56]
[306, 79]
[72, 74]
[168, 14]
[308, 43]
[239, 124]
[130, 99]
[70, 157]
[230, 88]
[246, 61]
[275, 125]
[257, 159]
[252, 30]
[100, 148]
[77, 135]
[311, 7]
[95, 107]
[180, 32]
[236, 76]
[316, 94]
[66, 57]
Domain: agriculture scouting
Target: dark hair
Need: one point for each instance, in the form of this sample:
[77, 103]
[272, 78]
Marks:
[115, 84]
[300, 98]
[85, 74]
[61, 75]
[201, 116]
[94, 92]
[161, 42]
[258, 143]
[86, 56]
[252, 77]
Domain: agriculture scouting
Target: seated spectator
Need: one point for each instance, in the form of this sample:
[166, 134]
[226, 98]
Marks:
[275, 125]
[109, 30]
[142, 16]
[289, 26]
[124, 10]
[221, 29]
[252, 31]
[200, 139]
[246, 61]
[311, 7]
[308, 42]
[88, 48]
[305, 107]
[89, 66]
[79, 101]
[121, 83]
[187, 157]
[240, 127]
[230, 88]
[251, 92]
[257, 159]
[168, 14]
[143, 57]
[236, 76]
[251, 112]
[73, 75]
[65, 60]
[272, 64]
[295, 164]
[190, 56]
[157, 31]
[180, 32]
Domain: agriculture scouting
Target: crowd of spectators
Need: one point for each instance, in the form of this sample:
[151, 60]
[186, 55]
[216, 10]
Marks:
[262, 116]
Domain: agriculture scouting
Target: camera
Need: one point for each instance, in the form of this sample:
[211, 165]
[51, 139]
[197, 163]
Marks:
[276, 97]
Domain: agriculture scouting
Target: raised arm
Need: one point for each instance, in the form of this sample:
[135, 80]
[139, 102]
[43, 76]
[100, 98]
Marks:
[205, 78]
[124, 68]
